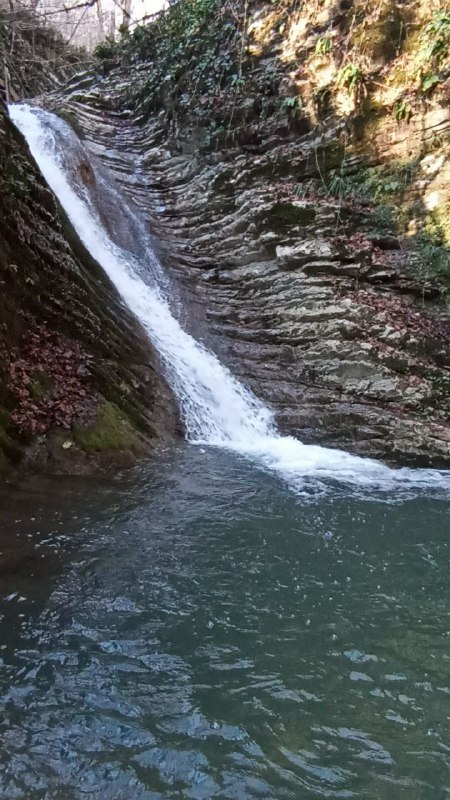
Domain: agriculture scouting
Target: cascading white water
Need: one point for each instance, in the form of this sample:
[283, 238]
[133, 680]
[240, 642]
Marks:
[216, 408]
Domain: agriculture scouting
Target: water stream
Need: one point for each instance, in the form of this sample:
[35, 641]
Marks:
[216, 408]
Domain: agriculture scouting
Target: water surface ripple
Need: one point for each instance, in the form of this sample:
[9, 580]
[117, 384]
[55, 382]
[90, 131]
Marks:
[194, 630]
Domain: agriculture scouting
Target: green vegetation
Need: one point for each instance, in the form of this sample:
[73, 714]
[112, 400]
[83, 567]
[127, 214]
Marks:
[198, 64]
[164, 40]
[388, 181]
[351, 77]
[429, 82]
[324, 45]
[436, 37]
[384, 186]
[383, 220]
[431, 261]
[237, 81]
[107, 50]
[16, 176]
[433, 51]
[379, 184]
[291, 104]
[188, 62]
[433, 244]
[403, 111]
[338, 184]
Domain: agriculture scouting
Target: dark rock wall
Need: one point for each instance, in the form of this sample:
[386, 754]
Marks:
[79, 382]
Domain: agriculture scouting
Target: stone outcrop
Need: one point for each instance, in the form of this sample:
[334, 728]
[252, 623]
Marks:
[80, 386]
[306, 296]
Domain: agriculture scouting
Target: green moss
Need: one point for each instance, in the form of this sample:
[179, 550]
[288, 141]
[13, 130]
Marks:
[110, 431]
[41, 385]
[438, 224]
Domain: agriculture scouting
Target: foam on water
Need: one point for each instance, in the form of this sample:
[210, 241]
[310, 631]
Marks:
[216, 408]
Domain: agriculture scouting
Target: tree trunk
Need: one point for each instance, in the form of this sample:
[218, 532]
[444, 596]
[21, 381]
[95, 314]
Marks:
[126, 8]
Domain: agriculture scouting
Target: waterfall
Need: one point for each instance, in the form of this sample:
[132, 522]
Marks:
[215, 407]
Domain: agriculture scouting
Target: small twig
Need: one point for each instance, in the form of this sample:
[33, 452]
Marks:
[6, 79]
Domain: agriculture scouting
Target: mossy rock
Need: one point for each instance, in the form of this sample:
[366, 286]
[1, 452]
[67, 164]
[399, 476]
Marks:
[223, 181]
[110, 431]
[70, 118]
[439, 224]
[370, 123]
[4, 419]
[41, 385]
[441, 387]
[329, 155]
[382, 39]
[283, 215]
[10, 450]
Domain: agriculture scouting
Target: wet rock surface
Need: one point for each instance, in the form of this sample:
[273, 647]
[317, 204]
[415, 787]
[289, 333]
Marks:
[80, 387]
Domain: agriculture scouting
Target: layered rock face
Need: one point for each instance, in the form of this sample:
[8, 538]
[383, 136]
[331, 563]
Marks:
[296, 193]
[79, 383]
[309, 293]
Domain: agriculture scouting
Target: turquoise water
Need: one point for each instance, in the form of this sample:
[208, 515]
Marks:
[195, 630]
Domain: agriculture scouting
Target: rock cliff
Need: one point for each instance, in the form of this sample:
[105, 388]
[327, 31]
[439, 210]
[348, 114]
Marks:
[293, 165]
[79, 383]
